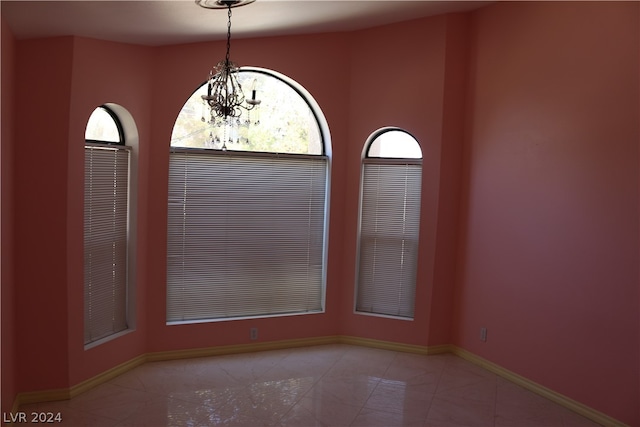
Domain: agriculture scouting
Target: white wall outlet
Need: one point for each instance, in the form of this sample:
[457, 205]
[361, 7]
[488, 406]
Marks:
[483, 334]
[253, 333]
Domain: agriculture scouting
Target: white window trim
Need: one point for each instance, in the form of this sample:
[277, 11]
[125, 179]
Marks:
[327, 150]
[373, 160]
[131, 140]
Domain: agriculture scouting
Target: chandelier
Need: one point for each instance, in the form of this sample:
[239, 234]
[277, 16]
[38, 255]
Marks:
[225, 99]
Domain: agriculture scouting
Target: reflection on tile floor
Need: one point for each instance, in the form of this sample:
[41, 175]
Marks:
[331, 385]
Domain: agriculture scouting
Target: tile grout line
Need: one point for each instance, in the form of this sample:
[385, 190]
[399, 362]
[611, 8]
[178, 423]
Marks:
[342, 354]
[396, 354]
[435, 391]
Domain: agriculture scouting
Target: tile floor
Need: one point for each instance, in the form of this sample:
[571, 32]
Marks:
[331, 385]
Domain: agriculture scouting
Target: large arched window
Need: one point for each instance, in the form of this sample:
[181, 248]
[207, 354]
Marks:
[106, 225]
[288, 121]
[389, 224]
[248, 208]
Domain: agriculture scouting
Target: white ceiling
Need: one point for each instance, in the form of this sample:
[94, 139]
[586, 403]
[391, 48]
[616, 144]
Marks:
[164, 22]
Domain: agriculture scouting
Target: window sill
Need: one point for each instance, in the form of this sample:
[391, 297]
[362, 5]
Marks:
[107, 339]
[387, 316]
[228, 319]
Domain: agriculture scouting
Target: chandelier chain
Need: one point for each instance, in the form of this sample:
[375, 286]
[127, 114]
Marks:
[228, 33]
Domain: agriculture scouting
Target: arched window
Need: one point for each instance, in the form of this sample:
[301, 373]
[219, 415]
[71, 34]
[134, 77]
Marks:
[104, 127]
[106, 223]
[248, 207]
[286, 117]
[389, 224]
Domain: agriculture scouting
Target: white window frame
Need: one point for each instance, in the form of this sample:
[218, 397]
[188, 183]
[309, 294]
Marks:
[128, 135]
[367, 161]
[326, 145]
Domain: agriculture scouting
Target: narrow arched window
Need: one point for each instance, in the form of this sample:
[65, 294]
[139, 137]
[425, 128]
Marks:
[104, 127]
[247, 208]
[389, 224]
[106, 202]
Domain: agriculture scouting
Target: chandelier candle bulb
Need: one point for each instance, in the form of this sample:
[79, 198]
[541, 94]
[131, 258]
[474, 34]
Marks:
[254, 101]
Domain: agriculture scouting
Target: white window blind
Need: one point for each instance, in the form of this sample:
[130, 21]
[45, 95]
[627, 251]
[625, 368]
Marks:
[389, 228]
[246, 234]
[105, 241]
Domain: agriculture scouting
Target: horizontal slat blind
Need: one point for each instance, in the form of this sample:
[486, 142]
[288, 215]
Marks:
[245, 235]
[389, 230]
[105, 241]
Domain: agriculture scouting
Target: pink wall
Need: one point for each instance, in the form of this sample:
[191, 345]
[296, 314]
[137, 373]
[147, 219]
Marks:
[40, 175]
[81, 75]
[7, 290]
[548, 256]
[454, 97]
[411, 75]
[95, 72]
[529, 204]
[180, 69]
[105, 72]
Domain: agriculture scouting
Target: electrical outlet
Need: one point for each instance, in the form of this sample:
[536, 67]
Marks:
[253, 333]
[483, 334]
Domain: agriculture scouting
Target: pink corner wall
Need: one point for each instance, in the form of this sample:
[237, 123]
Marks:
[441, 300]
[7, 283]
[548, 258]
